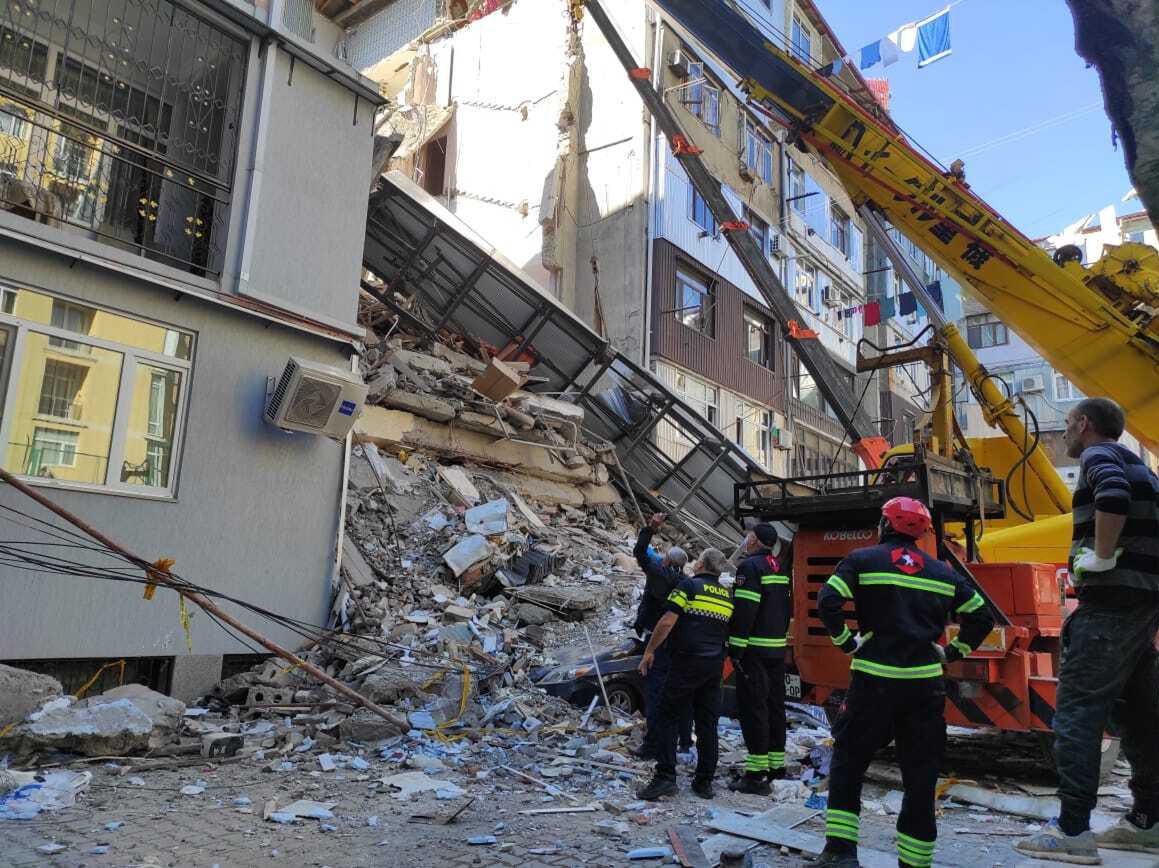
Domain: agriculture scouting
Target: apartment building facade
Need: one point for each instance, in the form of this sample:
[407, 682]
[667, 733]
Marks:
[1023, 371]
[165, 168]
[589, 200]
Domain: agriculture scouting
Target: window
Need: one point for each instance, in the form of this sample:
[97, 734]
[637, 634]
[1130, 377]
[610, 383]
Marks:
[94, 398]
[60, 390]
[802, 40]
[754, 433]
[702, 98]
[51, 448]
[796, 185]
[758, 151]
[70, 317]
[694, 303]
[986, 330]
[1135, 237]
[839, 230]
[807, 285]
[758, 229]
[1064, 389]
[758, 339]
[13, 120]
[699, 212]
[702, 397]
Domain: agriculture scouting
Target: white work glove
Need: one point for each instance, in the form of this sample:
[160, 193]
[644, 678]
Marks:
[1086, 561]
[940, 652]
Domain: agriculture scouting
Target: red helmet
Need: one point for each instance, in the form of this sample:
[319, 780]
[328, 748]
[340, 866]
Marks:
[908, 516]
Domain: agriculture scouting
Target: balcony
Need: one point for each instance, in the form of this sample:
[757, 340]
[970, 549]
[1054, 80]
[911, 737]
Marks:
[124, 131]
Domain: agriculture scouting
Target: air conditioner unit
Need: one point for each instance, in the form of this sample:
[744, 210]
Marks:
[1032, 384]
[317, 399]
[830, 297]
[784, 438]
[678, 62]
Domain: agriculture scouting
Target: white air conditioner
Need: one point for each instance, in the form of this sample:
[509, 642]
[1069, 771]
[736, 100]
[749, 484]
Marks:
[317, 399]
[830, 297]
[784, 438]
[1032, 384]
[678, 62]
[776, 248]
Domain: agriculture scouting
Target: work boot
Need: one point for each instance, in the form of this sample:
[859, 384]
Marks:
[703, 788]
[1129, 834]
[753, 783]
[775, 774]
[1052, 843]
[660, 785]
[837, 859]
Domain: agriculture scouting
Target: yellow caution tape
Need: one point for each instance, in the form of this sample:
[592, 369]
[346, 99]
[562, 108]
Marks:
[85, 687]
[183, 614]
[159, 565]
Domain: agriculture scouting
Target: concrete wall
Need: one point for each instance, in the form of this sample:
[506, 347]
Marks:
[256, 511]
[308, 215]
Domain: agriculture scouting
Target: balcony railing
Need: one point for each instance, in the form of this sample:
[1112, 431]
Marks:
[120, 120]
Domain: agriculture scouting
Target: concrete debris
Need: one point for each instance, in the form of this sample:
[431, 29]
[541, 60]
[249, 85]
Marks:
[121, 721]
[22, 692]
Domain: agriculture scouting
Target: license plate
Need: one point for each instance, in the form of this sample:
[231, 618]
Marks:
[793, 686]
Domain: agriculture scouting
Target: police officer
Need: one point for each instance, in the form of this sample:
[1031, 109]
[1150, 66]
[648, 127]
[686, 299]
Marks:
[661, 575]
[695, 622]
[902, 598]
[756, 643]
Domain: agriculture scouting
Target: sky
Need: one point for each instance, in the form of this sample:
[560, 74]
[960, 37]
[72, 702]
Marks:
[1013, 67]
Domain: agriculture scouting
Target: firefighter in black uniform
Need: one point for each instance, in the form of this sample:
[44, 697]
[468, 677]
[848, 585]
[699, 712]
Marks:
[902, 598]
[695, 621]
[756, 643]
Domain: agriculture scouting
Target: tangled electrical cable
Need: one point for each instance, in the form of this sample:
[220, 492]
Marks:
[30, 556]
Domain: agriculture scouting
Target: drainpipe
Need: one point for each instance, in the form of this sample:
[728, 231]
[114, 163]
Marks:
[650, 220]
[256, 167]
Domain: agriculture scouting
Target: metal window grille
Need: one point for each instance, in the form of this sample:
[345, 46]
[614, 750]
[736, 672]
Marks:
[298, 18]
[131, 112]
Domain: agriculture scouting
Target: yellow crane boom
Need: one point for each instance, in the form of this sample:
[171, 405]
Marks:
[1099, 326]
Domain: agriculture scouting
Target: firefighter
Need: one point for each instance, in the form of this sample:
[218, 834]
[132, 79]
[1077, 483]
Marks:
[695, 623]
[661, 575]
[902, 598]
[756, 643]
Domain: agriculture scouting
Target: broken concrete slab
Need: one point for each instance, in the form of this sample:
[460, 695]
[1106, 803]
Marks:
[384, 380]
[488, 518]
[389, 684]
[572, 604]
[462, 488]
[357, 569]
[22, 692]
[122, 721]
[529, 613]
[420, 362]
[427, 406]
[366, 726]
[396, 429]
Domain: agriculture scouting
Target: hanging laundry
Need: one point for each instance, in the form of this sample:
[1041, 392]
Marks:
[905, 37]
[935, 291]
[889, 53]
[872, 313]
[870, 55]
[888, 308]
[907, 304]
[831, 69]
[934, 38]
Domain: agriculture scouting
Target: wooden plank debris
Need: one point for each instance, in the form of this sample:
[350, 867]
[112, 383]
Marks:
[789, 816]
[687, 847]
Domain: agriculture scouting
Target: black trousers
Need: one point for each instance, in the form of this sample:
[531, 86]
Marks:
[695, 682]
[654, 687]
[760, 699]
[1109, 673]
[877, 711]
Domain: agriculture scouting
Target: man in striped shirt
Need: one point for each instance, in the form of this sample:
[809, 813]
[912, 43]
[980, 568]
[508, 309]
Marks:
[1110, 670]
